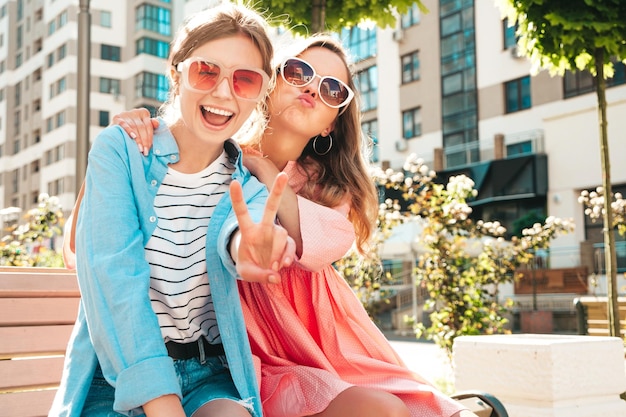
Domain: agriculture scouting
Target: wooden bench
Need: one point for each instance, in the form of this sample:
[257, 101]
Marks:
[593, 318]
[38, 307]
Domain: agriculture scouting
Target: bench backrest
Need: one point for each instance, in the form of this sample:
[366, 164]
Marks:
[593, 316]
[38, 307]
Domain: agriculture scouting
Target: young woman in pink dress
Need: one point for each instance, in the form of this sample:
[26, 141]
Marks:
[319, 353]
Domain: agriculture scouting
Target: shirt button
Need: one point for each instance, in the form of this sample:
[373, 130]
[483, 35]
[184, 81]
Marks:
[157, 151]
[153, 183]
[173, 157]
[152, 219]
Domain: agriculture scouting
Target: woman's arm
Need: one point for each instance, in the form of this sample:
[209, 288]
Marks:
[327, 234]
[114, 276]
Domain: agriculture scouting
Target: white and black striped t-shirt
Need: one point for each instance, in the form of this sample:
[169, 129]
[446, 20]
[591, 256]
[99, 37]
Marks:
[179, 286]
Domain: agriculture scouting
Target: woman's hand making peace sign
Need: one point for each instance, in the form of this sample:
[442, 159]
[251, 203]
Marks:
[260, 250]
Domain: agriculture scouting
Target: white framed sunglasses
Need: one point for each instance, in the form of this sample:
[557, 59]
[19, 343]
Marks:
[201, 76]
[332, 91]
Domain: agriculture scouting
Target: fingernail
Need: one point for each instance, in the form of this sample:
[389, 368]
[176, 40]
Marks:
[273, 279]
[133, 135]
[275, 266]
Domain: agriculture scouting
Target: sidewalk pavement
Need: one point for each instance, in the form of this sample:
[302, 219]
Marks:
[425, 358]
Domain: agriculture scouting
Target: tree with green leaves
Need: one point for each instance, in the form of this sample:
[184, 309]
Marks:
[461, 262]
[561, 35]
[314, 16]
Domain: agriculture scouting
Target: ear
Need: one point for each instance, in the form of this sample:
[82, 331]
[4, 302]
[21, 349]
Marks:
[175, 80]
[328, 129]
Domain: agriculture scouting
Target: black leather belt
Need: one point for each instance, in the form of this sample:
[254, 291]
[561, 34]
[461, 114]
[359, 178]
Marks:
[183, 351]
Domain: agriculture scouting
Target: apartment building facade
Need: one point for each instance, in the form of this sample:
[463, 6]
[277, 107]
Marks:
[39, 85]
[447, 85]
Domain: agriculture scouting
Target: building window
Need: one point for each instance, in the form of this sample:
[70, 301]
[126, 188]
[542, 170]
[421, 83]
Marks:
[510, 38]
[59, 152]
[411, 17]
[360, 42]
[17, 122]
[151, 85]
[109, 86]
[62, 19]
[582, 82]
[58, 87]
[153, 47]
[410, 67]
[60, 119]
[38, 45]
[50, 59]
[105, 19]
[153, 18]
[56, 187]
[520, 148]
[61, 52]
[411, 123]
[20, 38]
[517, 94]
[15, 179]
[18, 93]
[103, 118]
[367, 83]
[37, 136]
[110, 53]
[370, 129]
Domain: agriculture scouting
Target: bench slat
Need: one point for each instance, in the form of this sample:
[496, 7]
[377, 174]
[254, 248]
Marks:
[38, 307]
[34, 340]
[38, 311]
[16, 375]
[38, 284]
[26, 404]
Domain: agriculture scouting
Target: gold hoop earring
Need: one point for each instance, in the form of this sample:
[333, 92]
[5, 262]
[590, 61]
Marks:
[330, 145]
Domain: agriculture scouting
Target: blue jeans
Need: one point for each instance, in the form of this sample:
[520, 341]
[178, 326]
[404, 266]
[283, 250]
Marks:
[200, 383]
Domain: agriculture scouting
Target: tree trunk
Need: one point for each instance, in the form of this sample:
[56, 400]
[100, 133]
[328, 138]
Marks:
[610, 259]
[318, 16]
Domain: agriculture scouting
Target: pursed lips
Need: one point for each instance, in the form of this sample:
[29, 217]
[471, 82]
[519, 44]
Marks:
[307, 100]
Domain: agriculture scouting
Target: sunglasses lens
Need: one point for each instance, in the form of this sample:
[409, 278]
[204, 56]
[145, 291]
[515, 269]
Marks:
[203, 75]
[247, 83]
[333, 92]
[297, 73]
